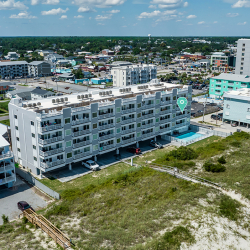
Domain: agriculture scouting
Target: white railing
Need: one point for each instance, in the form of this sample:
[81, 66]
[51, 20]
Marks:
[80, 121]
[148, 134]
[52, 114]
[51, 152]
[81, 144]
[51, 164]
[105, 137]
[148, 106]
[7, 167]
[106, 115]
[181, 116]
[128, 120]
[127, 131]
[106, 126]
[82, 132]
[7, 155]
[128, 111]
[103, 148]
[80, 109]
[51, 140]
[81, 155]
[165, 102]
[165, 111]
[148, 125]
[180, 125]
[165, 120]
[148, 116]
[128, 140]
[50, 127]
[129, 100]
[7, 179]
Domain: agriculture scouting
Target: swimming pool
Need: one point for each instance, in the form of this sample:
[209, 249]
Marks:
[189, 136]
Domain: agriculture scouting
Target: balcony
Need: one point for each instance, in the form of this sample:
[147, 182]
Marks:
[128, 111]
[148, 134]
[167, 111]
[230, 84]
[130, 120]
[107, 126]
[181, 116]
[105, 137]
[81, 144]
[47, 165]
[81, 155]
[147, 106]
[82, 132]
[166, 102]
[7, 167]
[51, 140]
[243, 85]
[6, 156]
[8, 179]
[107, 147]
[80, 121]
[50, 127]
[128, 140]
[148, 116]
[127, 131]
[180, 125]
[106, 115]
[149, 125]
[51, 152]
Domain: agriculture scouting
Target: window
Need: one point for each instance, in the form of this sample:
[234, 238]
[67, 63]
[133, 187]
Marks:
[94, 115]
[95, 137]
[173, 115]
[67, 132]
[69, 155]
[157, 111]
[16, 127]
[243, 45]
[156, 129]
[174, 98]
[118, 120]
[228, 106]
[118, 130]
[241, 68]
[68, 144]
[138, 125]
[33, 135]
[174, 106]
[118, 140]
[139, 105]
[139, 134]
[243, 54]
[67, 120]
[241, 73]
[18, 149]
[118, 110]
[94, 125]
[35, 159]
[95, 147]
[34, 147]
[157, 120]
[138, 115]
[157, 101]
[15, 116]
[242, 64]
[248, 110]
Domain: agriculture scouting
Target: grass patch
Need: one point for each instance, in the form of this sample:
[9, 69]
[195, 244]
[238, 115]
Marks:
[4, 106]
[5, 122]
[229, 208]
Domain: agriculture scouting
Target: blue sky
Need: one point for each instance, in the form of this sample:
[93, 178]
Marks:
[124, 17]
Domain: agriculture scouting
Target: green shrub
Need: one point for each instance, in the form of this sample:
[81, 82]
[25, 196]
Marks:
[62, 209]
[6, 228]
[25, 220]
[182, 153]
[235, 144]
[222, 160]
[5, 219]
[229, 208]
[214, 168]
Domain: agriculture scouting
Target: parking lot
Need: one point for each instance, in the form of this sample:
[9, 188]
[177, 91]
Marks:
[197, 109]
[20, 192]
[104, 160]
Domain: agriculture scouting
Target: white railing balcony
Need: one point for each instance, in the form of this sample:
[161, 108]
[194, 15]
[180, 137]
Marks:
[166, 102]
[105, 137]
[128, 111]
[147, 106]
[47, 165]
[231, 84]
[165, 120]
[82, 132]
[167, 111]
[130, 120]
[51, 152]
[106, 126]
[6, 155]
[149, 125]
[81, 155]
[128, 140]
[51, 140]
[127, 131]
[147, 116]
[7, 167]
[106, 115]
[103, 148]
[180, 125]
[148, 134]
[80, 121]
[81, 144]
[243, 85]
[7, 179]
[50, 127]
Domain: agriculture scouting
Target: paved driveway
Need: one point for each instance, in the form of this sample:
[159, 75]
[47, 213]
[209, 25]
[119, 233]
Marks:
[20, 192]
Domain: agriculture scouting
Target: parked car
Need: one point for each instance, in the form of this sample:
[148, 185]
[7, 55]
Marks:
[155, 144]
[234, 124]
[91, 165]
[134, 150]
[216, 117]
[220, 107]
[23, 205]
[221, 115]
[200, 111]
[36, 78]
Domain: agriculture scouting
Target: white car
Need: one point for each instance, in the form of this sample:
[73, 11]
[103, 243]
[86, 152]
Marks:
[91, 165]
[36, 78]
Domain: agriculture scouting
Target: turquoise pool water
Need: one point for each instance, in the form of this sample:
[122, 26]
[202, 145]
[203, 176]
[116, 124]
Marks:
[189, 136]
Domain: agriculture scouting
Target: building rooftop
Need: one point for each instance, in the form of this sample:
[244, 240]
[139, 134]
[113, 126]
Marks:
[232, 77]
[37, 62]
[3, 142]
[13, 63]
[135, 66]
[243, 94]
[77, 100]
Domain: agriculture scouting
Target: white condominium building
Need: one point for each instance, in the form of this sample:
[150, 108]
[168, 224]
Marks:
[243, 57]
[133, 74]
[51, 133]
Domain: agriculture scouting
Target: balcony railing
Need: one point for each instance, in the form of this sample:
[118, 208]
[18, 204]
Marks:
[166, 102]
[148, 134]
[103, 148]
[243, 85]
[127, 131]
[106, 115]
[81, 155]
[149, 125]
[50, 127]
[105, 137]
[51, 140]
[106, 126]
[80, 121]
[128, 140]
[180, 125]
[7, 179]
[82, 132]
[230, 84]
[167, 111]
[47, 165]
[7, 155]
[181, 116]
[165, 120]
[148, 116]
[128, 111]
[147, 106]
[51, 152]
[81, 144]
[130, 120]
[7, 167]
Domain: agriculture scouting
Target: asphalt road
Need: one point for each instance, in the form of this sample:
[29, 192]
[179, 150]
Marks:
[4, 118]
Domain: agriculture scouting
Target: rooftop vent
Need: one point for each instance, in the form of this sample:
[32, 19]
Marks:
[66, 99]
[87, 96]
[53, 100]
[38, 104]
[57, 100]
[90, 95]
[62, 99]
[34, 104]
[78, 97]
[29, 105]
[25, 105]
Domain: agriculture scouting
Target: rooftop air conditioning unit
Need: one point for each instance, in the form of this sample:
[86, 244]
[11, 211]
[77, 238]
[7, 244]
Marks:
[66, 99]
[129, 89]
[78, 97]
[62, 99]
[90, 95]
[29, 105]
[38, 104]
[87, 96]
[57, 100]
[34, 104]
[82, 96]
[53, 100]
[107, 92]
[120, 90]
[110, 92]
[25, 105]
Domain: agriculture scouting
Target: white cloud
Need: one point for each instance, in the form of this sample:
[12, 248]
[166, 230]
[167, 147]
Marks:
[149, 14]
[170, 4]
[185, 4]
[35, 2]
[178, 20]
[54, 11]
[124, 26]
[241, 3]
[215, 21]
[152, 6]
[63, 17]
[242, 23]
[113, 11]
[201, 22]
[191, 16]
[98, 3]
[24, 15]
[86, 10]
[79, 16]
[90, 18]
[100, 24]
[232, 14]
[104, 17]
[11, 4]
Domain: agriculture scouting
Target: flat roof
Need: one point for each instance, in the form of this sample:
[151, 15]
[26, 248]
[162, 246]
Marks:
[232, 77]
[243, 94]
[135, 66]
[3, 142]
[12, 63]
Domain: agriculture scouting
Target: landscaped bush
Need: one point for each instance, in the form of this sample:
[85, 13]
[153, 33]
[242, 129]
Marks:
[222, 160]
[236, 144]
[62, 209]
[229, 208]
[182, 153]
[214, 168]
[5, 219]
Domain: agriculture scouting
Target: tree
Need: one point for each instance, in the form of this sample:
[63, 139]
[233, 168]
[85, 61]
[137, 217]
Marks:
[137, 51]
[78, 73]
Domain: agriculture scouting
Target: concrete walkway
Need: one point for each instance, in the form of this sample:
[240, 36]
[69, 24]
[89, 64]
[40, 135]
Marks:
[4, 118]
